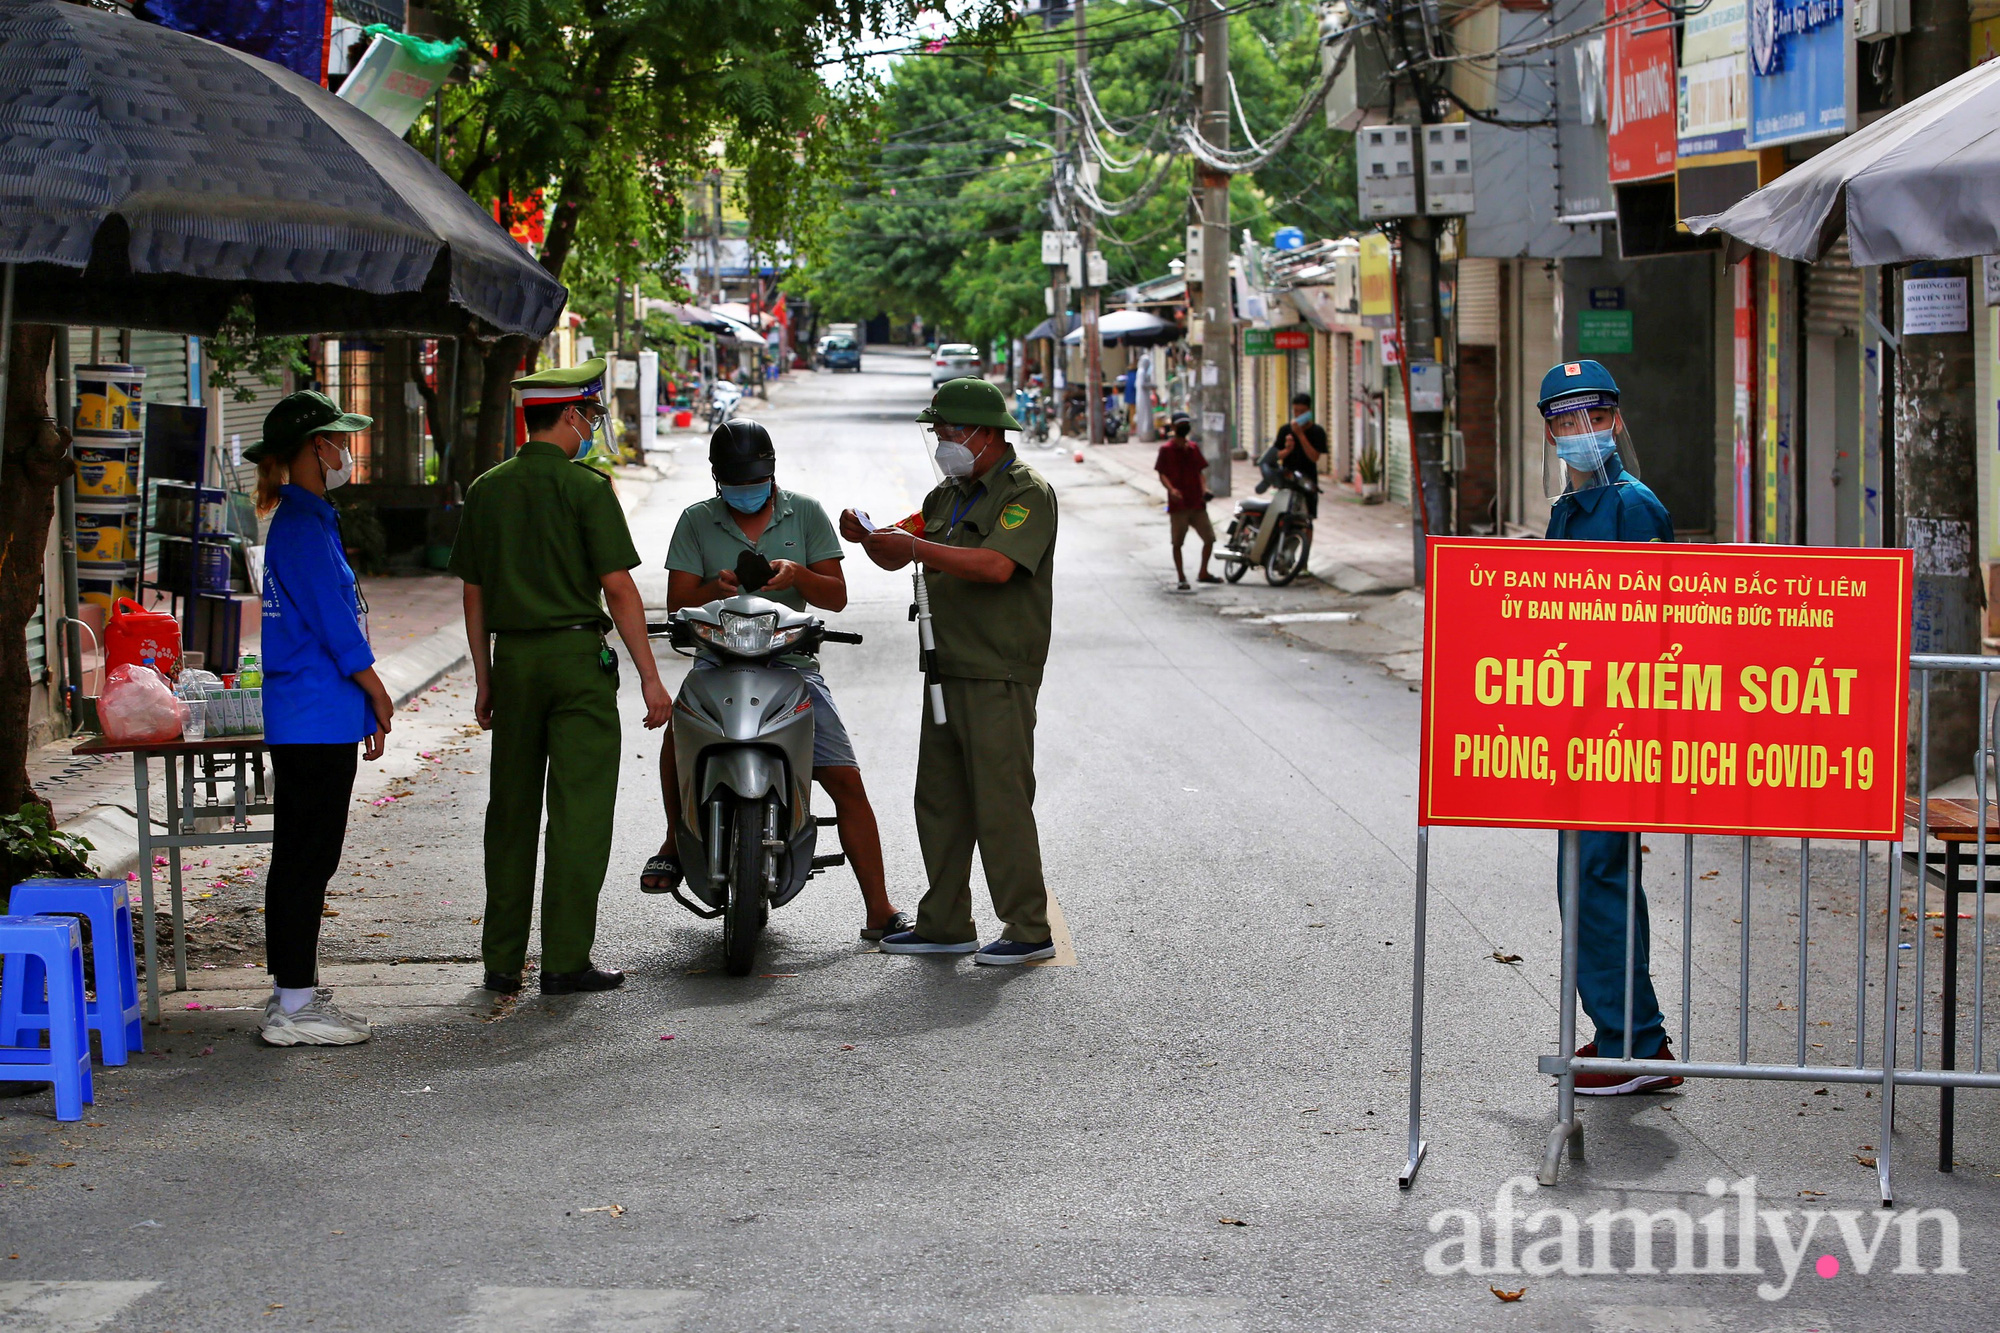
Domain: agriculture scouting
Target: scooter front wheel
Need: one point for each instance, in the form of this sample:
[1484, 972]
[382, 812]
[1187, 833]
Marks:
[1288, 556]
[751, 870]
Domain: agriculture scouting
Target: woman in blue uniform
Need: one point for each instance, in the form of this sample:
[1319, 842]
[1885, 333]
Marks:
[1599, 498]
[322, 700]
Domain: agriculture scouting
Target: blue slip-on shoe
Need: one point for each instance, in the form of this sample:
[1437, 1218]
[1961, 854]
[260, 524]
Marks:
[1005, 953]
[908, 941]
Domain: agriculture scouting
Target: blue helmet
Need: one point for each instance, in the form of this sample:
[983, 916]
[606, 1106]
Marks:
[1577, 384]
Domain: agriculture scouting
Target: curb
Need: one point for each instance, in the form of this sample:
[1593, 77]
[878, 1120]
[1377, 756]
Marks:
[114, 831]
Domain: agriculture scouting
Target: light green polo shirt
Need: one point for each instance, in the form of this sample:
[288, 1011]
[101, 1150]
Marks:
[707, 541]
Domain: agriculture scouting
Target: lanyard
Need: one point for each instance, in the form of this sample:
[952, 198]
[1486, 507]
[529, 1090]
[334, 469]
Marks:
[958, 514]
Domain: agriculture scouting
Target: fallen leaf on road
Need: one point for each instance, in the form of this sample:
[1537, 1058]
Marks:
[1509, 958]
[1508, 1296]
[846, 1048]
[1865, 1161]
[615, 1209]
[694, 971]
[666, 1036]
[1232, 1221]
[1812, 1194]
[60, 1165]
[1712, 874]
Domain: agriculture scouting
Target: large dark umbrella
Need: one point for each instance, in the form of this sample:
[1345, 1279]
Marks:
[150, 179]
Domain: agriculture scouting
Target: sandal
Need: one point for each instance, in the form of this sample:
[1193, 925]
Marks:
[898, 921]
[664, 872]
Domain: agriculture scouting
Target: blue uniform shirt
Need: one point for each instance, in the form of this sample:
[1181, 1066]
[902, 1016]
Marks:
[313, 642]
[1626, 510]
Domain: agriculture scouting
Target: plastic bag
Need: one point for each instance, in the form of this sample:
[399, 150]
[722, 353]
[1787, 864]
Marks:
[139, 707]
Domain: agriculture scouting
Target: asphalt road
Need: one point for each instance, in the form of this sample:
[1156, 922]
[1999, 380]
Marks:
[851, 1140]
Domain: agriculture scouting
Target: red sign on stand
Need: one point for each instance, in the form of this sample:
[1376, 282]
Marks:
[1685, 689]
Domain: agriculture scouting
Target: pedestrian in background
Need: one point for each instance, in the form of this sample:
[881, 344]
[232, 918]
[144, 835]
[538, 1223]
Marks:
[322, 698]
[543, 548]
[1598, 498]
[986, 540]
[1183, 470]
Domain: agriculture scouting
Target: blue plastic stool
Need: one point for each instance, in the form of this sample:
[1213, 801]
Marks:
[115, 1013]
[48, 950]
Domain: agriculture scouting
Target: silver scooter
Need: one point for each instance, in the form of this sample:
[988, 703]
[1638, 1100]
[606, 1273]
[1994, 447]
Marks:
[743, 742]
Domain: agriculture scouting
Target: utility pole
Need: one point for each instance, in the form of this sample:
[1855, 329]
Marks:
[1086, 242]
[1936, 451]
[1059, 275]
[1418, 296]
[1218, 297]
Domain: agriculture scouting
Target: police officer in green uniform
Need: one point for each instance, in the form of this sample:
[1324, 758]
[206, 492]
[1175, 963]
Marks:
[543, 550]
[986, 541]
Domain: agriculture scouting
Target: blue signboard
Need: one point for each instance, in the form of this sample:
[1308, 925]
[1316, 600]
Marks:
[1799, 51]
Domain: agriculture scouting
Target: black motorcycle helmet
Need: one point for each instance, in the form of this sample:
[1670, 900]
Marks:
[740, 452]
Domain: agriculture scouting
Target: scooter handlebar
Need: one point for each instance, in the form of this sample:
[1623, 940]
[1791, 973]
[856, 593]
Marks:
[839, 636]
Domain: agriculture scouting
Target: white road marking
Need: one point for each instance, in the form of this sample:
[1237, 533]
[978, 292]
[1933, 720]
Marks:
[578, 1309]
[65, 1307]
[1306, 618]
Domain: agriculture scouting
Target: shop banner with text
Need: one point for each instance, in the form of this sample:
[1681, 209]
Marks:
[1678, 689]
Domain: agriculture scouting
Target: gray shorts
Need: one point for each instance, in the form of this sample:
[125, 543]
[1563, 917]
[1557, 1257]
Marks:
[831, 747]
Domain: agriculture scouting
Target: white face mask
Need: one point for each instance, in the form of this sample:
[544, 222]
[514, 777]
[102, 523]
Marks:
[339, 476]
[954, 459]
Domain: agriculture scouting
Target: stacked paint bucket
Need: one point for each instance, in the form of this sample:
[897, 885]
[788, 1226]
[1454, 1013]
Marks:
[110, 429]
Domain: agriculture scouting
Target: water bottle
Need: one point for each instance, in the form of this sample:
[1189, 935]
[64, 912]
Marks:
[250, 676]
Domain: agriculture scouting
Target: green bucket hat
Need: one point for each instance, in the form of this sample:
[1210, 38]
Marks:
[968, 402]
[297, 418]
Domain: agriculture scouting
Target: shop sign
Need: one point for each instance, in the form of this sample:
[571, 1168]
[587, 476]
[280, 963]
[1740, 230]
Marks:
[1748, 690]
[1599, 331]
[1270, 342]
[1714, 84]
[1377, 273]
[1801, 71]
[1640, 61]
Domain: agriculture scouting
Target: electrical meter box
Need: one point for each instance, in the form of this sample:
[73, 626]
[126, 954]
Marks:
[1360, 92]
[1447, 170]
[1879, 20]
[1385, 160]
[1192, 260]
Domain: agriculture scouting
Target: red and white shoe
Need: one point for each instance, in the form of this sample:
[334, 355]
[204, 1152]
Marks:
[1618, 1085]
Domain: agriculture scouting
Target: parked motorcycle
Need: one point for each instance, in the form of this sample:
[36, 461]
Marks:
[743, 740]
[1275, 533]
[723, 396]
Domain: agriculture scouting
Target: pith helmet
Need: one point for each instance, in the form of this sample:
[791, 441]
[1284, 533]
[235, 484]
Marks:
[968, 402]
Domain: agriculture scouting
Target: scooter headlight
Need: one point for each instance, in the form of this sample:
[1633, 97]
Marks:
[748, 636]
[785, 638]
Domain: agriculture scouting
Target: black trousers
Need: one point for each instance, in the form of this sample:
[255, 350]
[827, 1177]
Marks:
[314, 785]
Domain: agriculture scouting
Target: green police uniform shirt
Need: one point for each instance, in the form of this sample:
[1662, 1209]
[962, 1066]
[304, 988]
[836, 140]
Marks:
[995, 631]
[707, 541]
[538, 534]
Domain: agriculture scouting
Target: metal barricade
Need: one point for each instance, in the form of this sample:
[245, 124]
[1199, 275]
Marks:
[1884, 1073]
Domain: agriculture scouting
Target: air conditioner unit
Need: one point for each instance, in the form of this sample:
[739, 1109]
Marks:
[1385, 160]
[1447, 169]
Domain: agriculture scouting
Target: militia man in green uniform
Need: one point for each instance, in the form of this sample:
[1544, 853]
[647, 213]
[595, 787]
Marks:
[544, 550]
[986, 541]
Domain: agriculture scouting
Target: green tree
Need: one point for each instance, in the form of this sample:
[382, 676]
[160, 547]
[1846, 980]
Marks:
[943, 213]
[600, 109]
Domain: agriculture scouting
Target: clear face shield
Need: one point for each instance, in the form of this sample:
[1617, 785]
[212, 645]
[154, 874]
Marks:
[952, 450]
[1585, 445]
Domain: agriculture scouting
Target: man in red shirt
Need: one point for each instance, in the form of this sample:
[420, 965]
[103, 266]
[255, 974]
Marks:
[1180, 465]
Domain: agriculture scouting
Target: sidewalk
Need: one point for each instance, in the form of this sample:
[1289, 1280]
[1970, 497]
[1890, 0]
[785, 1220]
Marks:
[1357, 548]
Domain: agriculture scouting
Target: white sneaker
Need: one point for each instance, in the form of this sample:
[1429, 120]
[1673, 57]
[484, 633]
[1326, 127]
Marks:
[318, 1022]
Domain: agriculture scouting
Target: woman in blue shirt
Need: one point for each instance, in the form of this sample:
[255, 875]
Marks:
[322, 698]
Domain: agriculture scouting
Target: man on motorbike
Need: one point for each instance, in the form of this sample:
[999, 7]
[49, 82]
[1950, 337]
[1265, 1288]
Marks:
[750, 512]
[1300, 445]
